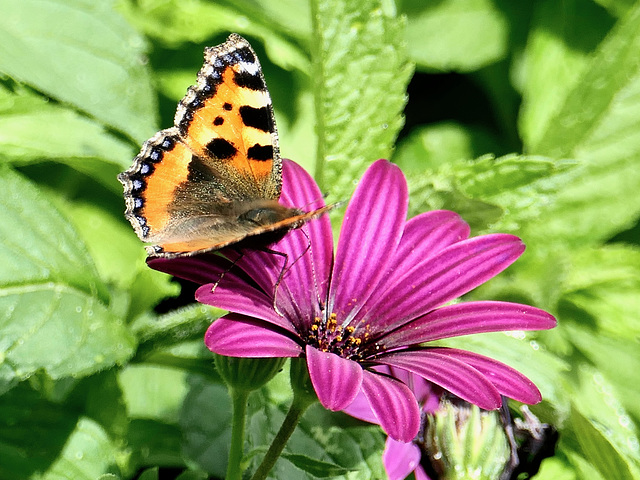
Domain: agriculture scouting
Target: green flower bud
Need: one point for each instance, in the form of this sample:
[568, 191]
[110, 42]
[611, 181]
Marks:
[247, 373]
[466, 443]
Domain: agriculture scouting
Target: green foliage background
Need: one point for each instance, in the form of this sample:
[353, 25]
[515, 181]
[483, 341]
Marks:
[523, 117]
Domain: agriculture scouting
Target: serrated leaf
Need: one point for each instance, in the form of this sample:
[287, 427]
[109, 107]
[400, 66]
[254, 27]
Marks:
[181, 325]
[33, 130]
[83, 53]
[315, 467]
[597, 125]
[498, 194]
[360, 74]
[456, 35]
[54, 305]
[561, 38]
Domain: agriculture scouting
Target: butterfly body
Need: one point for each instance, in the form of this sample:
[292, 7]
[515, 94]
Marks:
[215, 177]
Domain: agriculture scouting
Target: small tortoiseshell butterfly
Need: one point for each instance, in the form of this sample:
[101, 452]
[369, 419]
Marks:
[214, 178]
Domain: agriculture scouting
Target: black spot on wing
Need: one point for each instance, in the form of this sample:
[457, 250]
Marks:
[252, 81]
[260, 152]
[256, 117]
[221, 148]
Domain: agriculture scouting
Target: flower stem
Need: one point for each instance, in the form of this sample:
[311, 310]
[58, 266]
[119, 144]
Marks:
[239, 401]
[298, 406]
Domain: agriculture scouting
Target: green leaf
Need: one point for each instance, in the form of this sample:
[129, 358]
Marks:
[524, 353]
[33, 130]
[50, 292]
[491, 194]
[315, 467]
[175, 22]
[604, 283]
[555, 469]
[188, 323]
[597, 125]
[561, 39]
[617, 7]
[607, 353]
[32, 432]
[88, 453]
[119, 257]
[360, 73]
[154, 443]
[595, 442]
[154, 392]
[459, 35]
[149, 474]
[434, 145]
[83, 53]
[206, 416]
[323, 436]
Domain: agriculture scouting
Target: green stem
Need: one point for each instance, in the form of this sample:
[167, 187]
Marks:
[298, 406]
[317, 68]
[236, 450]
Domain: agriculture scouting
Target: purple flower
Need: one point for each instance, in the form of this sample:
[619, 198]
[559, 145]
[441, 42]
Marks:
[376, 302]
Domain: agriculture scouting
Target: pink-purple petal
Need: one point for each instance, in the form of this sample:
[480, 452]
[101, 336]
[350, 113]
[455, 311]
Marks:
[507, 380]
[400, 458]
[425, 235]
[247, 301]
[394, 405]
[455, 271]
[467, 318]
[371, 231]
[239, 336]
[336, 380]
[200, 269]
[299, 190]
[361, 409]
[450, 373]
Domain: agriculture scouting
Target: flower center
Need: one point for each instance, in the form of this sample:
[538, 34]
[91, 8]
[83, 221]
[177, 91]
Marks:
[328, 336]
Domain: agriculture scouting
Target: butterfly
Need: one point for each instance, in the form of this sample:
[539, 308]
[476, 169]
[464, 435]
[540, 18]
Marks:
[213, 179]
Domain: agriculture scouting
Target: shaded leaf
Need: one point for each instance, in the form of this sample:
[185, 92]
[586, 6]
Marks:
[561, 38]
[176, 22]
[597, 125]
[458, 35]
